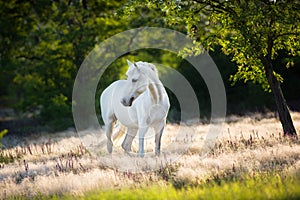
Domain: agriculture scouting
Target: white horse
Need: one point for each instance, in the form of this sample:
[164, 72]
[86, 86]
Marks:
[139, 102]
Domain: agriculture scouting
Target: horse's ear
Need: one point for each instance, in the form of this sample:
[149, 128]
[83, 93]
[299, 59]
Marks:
[130, 64]
[130, 67]
[135, 65]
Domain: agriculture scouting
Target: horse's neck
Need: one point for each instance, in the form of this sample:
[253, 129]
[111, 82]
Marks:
[155, 89]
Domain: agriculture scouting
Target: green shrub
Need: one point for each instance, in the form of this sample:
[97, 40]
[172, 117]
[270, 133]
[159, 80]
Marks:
[2, 133]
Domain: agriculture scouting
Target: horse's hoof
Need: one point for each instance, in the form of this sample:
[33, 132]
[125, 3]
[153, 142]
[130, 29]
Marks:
[128, 153]
[141, 155]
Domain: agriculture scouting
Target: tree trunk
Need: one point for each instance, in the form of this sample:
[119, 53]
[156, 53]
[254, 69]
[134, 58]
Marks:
[283, 110]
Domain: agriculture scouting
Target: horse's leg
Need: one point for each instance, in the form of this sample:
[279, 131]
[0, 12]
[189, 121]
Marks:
[109, 129]
[158, 133]
[131, 133]
[142, 132]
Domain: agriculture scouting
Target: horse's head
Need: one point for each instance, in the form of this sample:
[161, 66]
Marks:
[137, 82]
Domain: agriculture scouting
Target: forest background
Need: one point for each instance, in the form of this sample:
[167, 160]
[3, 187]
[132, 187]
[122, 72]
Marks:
[43, 43]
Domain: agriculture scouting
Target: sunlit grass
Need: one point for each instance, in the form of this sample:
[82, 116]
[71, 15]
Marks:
[251, 160]
[257, 186]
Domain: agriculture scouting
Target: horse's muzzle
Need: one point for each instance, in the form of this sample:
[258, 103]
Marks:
[127, 103]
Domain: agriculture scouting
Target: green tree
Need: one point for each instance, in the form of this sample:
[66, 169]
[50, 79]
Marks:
[252, 32]
[43, 44]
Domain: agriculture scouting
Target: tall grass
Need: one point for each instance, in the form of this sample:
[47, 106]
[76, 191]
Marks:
[250, 160]
[258, 186]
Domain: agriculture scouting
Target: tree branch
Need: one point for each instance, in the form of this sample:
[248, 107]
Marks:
[29, 57]
[216, 5]
[287, 34]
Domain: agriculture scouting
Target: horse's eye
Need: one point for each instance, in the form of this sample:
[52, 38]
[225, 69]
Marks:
[134, 80]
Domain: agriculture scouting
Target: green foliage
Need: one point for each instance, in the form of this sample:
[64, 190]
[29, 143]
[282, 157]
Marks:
[42, 51]
[2, 133]
[244, 30]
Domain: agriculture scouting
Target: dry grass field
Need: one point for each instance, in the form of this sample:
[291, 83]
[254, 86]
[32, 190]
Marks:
[64, 163]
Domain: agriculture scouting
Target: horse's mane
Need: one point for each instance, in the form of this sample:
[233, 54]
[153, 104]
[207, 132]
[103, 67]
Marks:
[149, 69]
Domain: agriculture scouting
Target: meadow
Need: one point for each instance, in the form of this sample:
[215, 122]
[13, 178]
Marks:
[249, 160]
